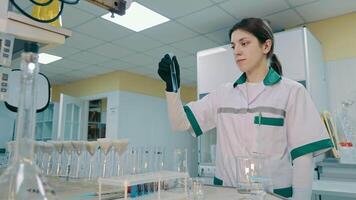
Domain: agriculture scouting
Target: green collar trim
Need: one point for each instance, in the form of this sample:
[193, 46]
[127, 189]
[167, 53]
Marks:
[271, 78]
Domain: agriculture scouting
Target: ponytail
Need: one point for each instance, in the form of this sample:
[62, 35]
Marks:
[276, 65]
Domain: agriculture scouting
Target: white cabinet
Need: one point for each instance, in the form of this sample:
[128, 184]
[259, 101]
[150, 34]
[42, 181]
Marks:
[46, 123]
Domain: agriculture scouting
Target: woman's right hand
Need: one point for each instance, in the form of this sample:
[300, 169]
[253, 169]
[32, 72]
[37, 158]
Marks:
[164, 71]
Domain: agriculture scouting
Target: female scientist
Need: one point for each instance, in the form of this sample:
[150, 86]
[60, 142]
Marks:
[262, 112]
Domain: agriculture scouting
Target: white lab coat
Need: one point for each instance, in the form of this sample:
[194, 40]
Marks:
[281, 122]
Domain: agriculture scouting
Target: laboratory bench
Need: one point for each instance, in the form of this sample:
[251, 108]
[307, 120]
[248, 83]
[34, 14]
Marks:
[79, 189]
[335, 180]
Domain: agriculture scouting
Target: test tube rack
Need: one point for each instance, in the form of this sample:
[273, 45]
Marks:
[137, 179]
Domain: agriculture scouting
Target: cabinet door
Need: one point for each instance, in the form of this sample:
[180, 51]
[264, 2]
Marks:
[71, 115]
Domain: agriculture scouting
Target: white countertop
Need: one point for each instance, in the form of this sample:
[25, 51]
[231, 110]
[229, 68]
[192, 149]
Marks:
[334, 188]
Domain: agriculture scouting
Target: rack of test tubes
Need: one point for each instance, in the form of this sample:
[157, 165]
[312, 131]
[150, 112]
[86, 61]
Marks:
[168, 185]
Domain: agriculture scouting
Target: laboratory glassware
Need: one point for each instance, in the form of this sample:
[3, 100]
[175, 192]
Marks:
[105, 145]
[58, 146]
[120, 147]
[68, 148]
[48, 150]
[180, 160]
[173, 74]
[22, 179]
[195, 189]
[78, 148]
[252, 176]
[91, 147]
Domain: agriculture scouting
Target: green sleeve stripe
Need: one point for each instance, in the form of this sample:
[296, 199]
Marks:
[269, 121]
[312, 147]
[193, 121]
[217, 181]
[284, 192]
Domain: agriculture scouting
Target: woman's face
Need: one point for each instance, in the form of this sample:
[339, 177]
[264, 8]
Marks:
[248, 51]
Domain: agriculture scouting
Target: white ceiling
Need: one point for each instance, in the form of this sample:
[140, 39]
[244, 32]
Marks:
[98, 46]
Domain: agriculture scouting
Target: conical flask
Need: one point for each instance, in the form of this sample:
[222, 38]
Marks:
[22, 179]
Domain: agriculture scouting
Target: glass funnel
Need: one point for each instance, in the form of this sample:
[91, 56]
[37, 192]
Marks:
[91, 147]
[105, 145]
[58, 146]
[68, 148]
[78, 148]
[120, 147]
[22, 179]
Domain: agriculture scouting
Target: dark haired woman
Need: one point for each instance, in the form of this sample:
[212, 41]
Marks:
[262, 112]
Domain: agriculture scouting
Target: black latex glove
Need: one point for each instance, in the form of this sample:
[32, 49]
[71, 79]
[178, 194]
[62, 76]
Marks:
[164, 71]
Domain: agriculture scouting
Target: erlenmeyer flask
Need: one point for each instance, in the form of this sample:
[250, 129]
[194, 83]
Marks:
[22, 179]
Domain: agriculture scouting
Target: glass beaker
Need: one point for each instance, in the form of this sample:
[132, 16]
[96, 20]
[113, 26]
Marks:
[180, 160]
[195, 189]
[253, 178]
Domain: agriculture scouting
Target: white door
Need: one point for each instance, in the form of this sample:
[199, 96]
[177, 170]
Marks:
[71, 118]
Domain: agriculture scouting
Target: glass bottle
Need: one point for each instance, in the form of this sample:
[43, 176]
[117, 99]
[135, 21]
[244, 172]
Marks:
[22, 179]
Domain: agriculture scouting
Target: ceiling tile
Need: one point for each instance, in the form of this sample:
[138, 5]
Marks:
[53, 69]
[253, 8]
[174, 8]
[221, 37]
[81, 74]
[62, 51]
[88, 58]
[284, 19]
[116, 64]
[50, 74]
[104, 30]
[326, 9]
[97, 70]
[187, 62]
[193, 45]
[159, 52]
[56, 81]
[138, 42]
[300, 2]
[218, 1]
[90, 8]
[169, 32]
[137, 70]
[81, 41]
[139, 59]
[187, 74]
[68, 64]
[217, 19]
[73, 17]
[111, 51]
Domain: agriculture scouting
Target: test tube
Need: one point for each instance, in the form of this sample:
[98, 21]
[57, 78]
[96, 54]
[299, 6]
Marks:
[173, 74]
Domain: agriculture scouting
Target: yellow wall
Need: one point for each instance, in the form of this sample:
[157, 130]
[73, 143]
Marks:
[119, 80]
[337, 36]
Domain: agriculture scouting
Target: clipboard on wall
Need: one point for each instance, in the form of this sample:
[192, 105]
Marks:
[332, 131]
